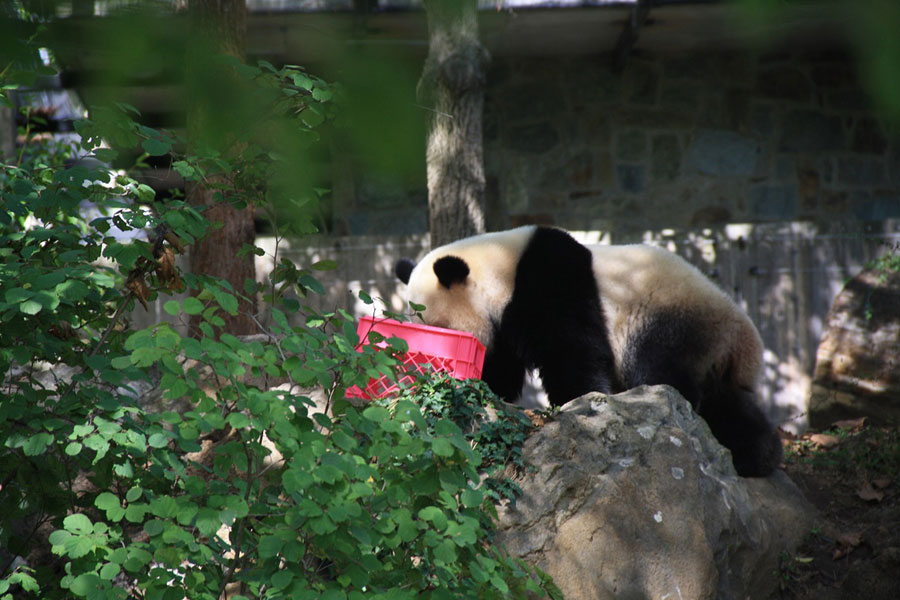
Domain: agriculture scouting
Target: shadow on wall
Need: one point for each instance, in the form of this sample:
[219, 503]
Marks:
[783, 275]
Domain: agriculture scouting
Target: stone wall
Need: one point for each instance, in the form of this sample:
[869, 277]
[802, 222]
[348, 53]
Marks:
[686, 142]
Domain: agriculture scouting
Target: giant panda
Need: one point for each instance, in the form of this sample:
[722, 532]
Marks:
[604, 319]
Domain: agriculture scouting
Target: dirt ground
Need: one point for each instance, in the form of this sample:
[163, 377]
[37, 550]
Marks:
[851, 474]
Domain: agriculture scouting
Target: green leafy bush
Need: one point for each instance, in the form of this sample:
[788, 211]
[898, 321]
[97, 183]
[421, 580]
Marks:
[250, 475]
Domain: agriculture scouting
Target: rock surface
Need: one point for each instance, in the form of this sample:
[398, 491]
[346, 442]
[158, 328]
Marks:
[858, 360]
[632, 497]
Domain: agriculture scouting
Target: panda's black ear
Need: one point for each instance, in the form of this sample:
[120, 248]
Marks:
[450, 270]
[403, 269]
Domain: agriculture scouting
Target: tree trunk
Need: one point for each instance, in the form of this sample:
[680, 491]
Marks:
[452, 86]
[7, 135]
[219, 27]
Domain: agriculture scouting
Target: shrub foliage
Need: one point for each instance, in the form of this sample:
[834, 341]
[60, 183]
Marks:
[233, 482]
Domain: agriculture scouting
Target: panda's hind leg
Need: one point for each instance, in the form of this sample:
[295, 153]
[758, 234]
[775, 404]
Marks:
[666, 351]
[740, 425]
[663, 352]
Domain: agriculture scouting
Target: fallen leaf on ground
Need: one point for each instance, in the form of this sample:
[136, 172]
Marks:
[787, 436]
[824, 440]
[881, 483]
[867, 492]
[851, 424]
[847, 542]
[537, 419]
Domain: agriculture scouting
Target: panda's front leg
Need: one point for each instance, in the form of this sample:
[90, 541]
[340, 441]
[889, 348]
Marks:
[503, 371]
[567, 376]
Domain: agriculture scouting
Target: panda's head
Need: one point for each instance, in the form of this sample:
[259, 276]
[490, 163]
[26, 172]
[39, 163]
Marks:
[467, 284]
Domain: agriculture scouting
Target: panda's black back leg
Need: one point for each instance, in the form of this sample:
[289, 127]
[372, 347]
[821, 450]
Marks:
[664, 352]
[740, 425]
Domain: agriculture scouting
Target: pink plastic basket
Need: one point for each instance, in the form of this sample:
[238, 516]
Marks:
[458, 353]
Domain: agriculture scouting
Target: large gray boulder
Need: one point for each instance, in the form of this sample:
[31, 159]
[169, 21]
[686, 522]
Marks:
[632, 497]
[858, 360]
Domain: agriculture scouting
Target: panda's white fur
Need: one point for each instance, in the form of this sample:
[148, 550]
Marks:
[492, 259]
[639, 278]
[653, 318]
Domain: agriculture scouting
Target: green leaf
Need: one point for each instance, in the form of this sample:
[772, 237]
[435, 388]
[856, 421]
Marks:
[135, 513]
[85, 584]
[238, 420]
[109, 571]
[377, 414]
[78, 546]
[164, 507]
[192, 306]
[282, 579]
[121, 362]
[133, 494]
[110, 504]
[30, 307]
[227, 301]
[442, 447]
[78, 524]
[172, 307]
[446, 551]
[471, 498]
[158, 440]
[156, 147]
[37, 444]
[324, 265]
[269, 546]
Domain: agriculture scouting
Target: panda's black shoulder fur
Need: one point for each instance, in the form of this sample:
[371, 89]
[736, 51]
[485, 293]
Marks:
[554, 322]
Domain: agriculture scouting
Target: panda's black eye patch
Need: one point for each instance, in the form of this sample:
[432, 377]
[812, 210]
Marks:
[403, 269]
[450, 270]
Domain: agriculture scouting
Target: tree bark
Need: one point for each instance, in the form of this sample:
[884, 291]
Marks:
[219, 27]
[7, 135]
[452, 87]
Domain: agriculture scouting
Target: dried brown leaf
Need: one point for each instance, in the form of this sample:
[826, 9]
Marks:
[824, 440]
[167, 273]
[846, 542]
[867, 492]
[850, 538]
[537, 419]
[137, 286]
[850, 424]
[881, 483]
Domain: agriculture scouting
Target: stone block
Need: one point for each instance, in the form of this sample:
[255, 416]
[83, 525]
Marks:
[665, 158]
[681, 97]
[591, 83]
[812, 131]
[631, 145]
[785, 167]
[853, 99]
[834, 76]
[722, 153]
[761, 121]
[631, 178]
[773, 202]
[868, 137]
[531, 101]
[879, 207]
[784, 83]
[604, 171]
[641, 84]
[535, 138]
[860, 170]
